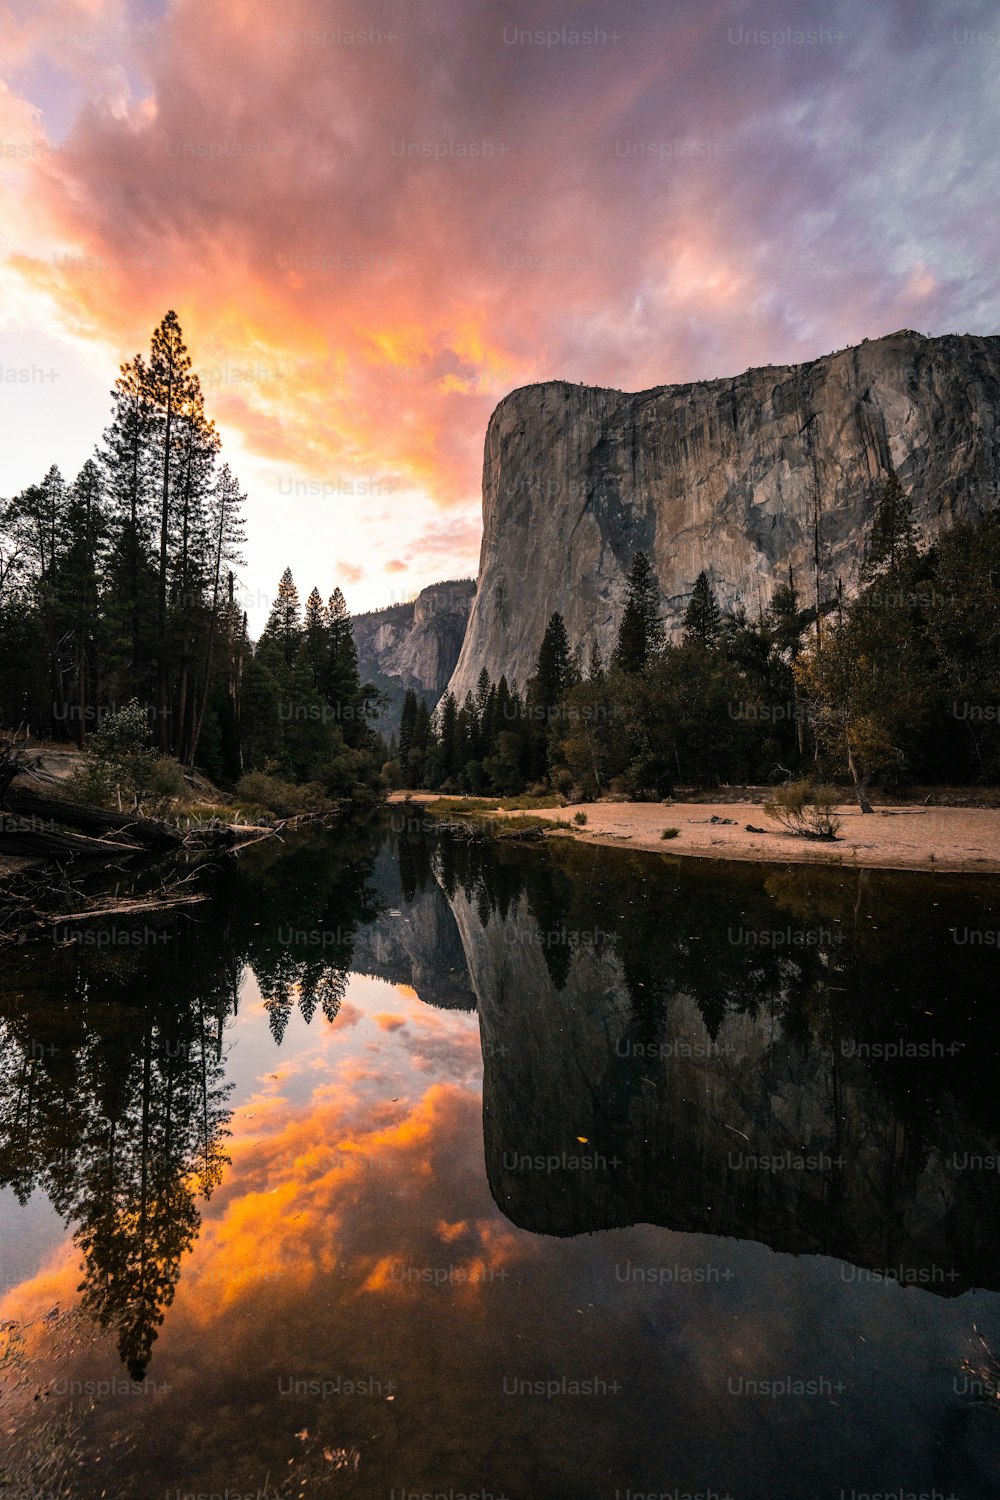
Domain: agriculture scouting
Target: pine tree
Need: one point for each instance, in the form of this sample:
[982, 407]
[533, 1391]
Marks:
[447, 721]
[190, 561]
[784, 620]
[702, 618]
[640, 634]
[39, 517]
[553, 673]
[343, 681]
[79, 585]
[407, 723]
[892, 543]
[177, 404]
[482, 694]
[283, 631]
[127, 463]
[423, 728]
[226, 533]
[316, 636]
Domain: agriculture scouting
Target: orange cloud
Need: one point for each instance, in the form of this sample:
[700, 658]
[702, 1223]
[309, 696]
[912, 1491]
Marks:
[365, 290]
[387, 1022]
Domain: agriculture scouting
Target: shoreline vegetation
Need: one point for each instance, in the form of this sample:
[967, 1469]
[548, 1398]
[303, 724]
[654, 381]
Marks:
[897, 836]
[123, 633]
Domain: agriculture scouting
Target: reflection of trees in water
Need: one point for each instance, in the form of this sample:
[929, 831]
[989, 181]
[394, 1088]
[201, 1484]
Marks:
[870, 966]
[295, 919]
[120, 1121]
[112, 1092]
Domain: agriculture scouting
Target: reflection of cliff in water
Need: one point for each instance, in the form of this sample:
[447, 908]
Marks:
[414, 940]
[629, 1020]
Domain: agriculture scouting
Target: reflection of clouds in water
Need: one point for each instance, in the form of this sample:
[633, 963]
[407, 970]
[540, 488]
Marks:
[349, 1015]
[387, 1022]
[360, 1242]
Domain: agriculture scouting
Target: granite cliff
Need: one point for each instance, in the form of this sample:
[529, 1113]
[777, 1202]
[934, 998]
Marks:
[742, 477]
[414, 645]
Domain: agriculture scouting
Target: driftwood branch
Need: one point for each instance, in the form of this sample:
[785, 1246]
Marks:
[125, 909]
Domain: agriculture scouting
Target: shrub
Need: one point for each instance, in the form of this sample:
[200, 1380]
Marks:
[669, 833]
[580, 818]
[119, 768]
[805, 809]
[92, 782]
[256, 790]
[165, 785]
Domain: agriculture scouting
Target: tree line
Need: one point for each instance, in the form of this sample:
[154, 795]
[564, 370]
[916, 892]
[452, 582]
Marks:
[117, 598]
[900, 683]
[117, 585]
[117, 589]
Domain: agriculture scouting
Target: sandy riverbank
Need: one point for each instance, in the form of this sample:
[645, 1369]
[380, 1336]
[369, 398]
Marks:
[945, 839]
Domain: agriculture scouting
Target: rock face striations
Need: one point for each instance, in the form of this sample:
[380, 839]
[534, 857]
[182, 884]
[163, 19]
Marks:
[742, 477]
[414, 645]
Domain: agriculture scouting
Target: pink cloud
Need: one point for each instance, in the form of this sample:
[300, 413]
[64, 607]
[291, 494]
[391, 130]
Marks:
[388, 1022]
[668, 206]
[348, 1015]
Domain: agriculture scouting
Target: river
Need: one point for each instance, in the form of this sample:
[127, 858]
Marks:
[406, 1167]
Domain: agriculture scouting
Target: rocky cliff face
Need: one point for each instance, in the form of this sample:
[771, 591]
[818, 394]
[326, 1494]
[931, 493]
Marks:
[741, 477]
[414, 645]
[672, 1129]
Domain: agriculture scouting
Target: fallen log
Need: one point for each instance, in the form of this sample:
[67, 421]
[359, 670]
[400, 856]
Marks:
[145, 833]
[60, 845]
[124, 909]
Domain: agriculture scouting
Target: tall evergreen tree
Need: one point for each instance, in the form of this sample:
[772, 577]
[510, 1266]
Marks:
[640, 634]
[553, 672]
[315, 639]
[447, 725]
[178, 408]
[283, 631]
[482, 693]
[343, 680]
[79, 586]
[407, 724]
[127, 463]
[39, 515]
[784, 618]
[226, 624]
[892, 542]
[702, 618]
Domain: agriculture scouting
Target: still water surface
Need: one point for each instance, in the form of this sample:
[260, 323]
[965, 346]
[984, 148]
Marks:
[411, 1167]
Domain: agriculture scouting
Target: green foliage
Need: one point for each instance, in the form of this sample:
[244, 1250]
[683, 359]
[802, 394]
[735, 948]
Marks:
[257, 792]
[120, 755]
[785, 620]
[640, 634]
[553, 674]
[703, 618]
[119, 580]
[165, 786]
[870, 683]
[669, 833]
[892, 544]
[805, 809]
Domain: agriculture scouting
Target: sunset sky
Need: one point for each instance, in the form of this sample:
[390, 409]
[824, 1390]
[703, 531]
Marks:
[376, 219]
